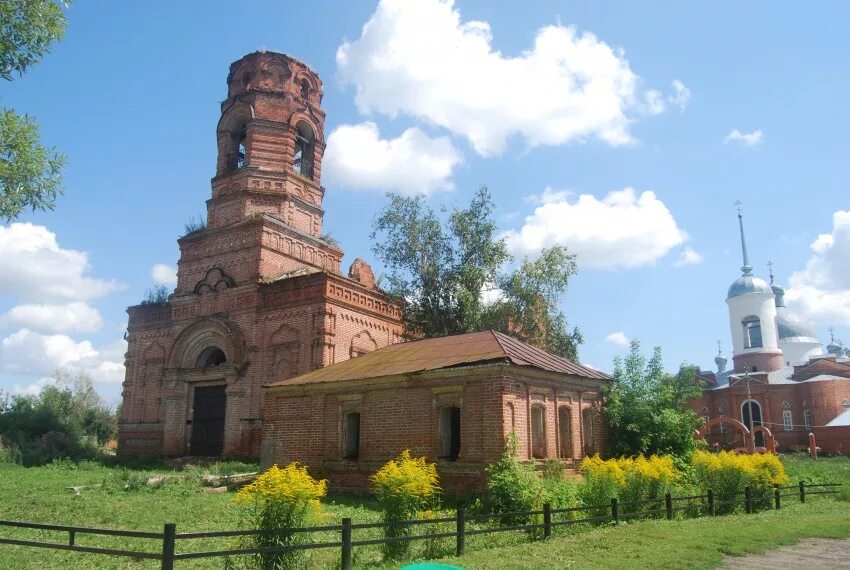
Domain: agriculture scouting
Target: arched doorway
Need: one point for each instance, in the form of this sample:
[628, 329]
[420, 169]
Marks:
[751, 417]
[565, 432]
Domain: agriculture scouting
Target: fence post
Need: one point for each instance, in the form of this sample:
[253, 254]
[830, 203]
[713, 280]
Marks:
[615, 510]
[668, 502]
[72, 537]
[346, 544]
[547, 520]
[777, 498]
[169, 536]
[711, 502]
[461, 529]
[802, 491]
[748, 498]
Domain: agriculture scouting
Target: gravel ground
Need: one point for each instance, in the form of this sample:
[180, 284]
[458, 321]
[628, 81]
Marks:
[809, 554]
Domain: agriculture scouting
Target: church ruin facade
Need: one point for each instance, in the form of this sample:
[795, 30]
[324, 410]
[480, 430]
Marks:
[260, 294]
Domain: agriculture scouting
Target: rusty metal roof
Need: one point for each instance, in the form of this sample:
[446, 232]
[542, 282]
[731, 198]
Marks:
[443, 352]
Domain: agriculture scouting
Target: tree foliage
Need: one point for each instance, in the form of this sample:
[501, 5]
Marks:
[157, 295]
[442, 269]
[647, 408]
[30, 174]
[67, 419]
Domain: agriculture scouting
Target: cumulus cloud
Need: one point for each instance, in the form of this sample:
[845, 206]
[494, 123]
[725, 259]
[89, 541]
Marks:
[747, 139]
[821, 290]
[33, 267]
[420, 58]
[32, 389]
[164, 273]
[688, 257]
[357, 157]
[619, 338]
[54, 318]
[621, 230]
[30, 353]
[681, 95]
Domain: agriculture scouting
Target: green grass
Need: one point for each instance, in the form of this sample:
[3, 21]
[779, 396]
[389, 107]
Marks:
[800, 467]
[691, 543]
[41, 494]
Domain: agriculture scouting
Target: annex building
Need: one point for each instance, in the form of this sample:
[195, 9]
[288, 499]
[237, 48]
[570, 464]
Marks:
[781, 376]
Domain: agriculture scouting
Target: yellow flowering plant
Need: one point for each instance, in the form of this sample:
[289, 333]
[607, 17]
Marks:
[728, 474]
[404, 486]
[276, 502]
[638, 482]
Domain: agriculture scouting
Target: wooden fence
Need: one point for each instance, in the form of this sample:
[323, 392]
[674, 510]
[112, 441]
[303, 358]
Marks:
[168, 539]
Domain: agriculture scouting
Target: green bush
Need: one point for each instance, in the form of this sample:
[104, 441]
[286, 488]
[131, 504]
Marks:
[729, 473]
[512, 485]
[67, 419]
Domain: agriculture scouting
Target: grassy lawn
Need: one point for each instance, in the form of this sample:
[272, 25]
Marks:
[41, 495]
[690, 543]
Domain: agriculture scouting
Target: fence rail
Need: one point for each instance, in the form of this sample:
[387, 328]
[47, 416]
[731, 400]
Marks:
[167, 540]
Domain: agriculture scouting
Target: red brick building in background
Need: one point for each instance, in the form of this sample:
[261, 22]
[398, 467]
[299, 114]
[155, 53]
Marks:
[781, 378]
[260, 295]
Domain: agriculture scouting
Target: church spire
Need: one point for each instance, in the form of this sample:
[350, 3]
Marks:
[747, 269]
[720, 360]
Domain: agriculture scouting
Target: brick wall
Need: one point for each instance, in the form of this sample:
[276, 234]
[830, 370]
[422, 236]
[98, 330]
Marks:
[404, 414]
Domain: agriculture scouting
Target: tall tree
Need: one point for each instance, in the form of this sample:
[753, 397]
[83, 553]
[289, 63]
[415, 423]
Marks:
[30, 174]
[647, 408]
[442, 271]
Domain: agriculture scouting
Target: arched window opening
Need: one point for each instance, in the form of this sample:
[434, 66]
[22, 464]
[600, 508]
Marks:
[752, 332]
[705, 418]
[351, 435]
[305, 89]
[751, 417]
[538, 432]
[587, 430]
[302, 162]
[565, 432]
[787, 420]
[449, 428]
[212, 356]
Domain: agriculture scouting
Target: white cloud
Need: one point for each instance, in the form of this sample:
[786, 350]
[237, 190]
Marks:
[33, 389]
[357, 157]
[491, 294]
[747, 139]
[30, 353]
[54, 318]
[681, 95]
[619, 338]
[163, 273]
[549, 195]
[821, 290]
[688, 257]
[421, 59]
[34, 268]
[621, 230]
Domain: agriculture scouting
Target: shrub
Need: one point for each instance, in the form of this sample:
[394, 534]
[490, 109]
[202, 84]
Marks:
[640, 483]
[728, 473]
[278, 501]
[404, 486]
[512, 486]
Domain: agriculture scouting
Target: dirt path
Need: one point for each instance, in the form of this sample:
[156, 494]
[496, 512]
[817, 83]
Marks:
[809, 554]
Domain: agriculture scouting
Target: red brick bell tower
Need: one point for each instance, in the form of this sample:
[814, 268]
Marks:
[260, 296]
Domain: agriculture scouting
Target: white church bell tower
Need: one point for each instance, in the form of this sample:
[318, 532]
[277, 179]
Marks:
[752, 319]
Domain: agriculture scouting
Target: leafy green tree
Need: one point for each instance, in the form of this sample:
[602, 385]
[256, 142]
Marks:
[67, 419]
[647, 408]
[157, 295]
[441, 267]
[30, 174]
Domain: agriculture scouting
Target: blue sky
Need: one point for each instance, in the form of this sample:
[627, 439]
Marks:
[132, 95]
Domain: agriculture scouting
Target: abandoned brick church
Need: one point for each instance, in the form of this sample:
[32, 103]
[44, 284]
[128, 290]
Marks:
[241, 357]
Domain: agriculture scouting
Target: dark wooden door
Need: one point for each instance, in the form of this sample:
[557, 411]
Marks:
[208, 421]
